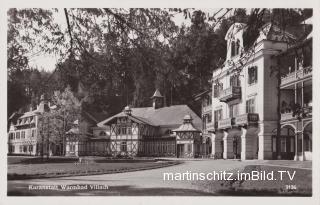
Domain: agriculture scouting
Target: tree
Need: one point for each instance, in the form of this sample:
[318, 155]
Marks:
[53, 125]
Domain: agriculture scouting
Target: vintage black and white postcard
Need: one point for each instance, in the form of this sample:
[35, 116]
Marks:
[209, 101]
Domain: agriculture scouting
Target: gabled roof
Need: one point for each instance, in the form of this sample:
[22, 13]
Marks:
[157, 94]
[163, 117]
[188, 127]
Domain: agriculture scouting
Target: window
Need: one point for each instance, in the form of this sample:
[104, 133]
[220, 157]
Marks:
[17, 135]
[123, 130]
[252, 75]
[129, 130]
[233, 110]
[102, 133]
[235, 48]
[283, 145]
[23, 134]
[189, 147]
[30, 148]
[20, 148]
[216, 89]
[123, 146]
[11, 136]
[207, 101]
[234, 80]
[72, 147]
[209, 118]
[33, 133]
[250, 105]
[217, 115]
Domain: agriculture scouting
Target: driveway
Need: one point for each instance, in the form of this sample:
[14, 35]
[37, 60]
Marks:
[147, 182]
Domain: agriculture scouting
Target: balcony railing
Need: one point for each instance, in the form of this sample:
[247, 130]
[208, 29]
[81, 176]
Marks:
[287, 116]
[247, 119]
[212, 126]
[296, 75]
[305, 112]
[226, 123]
[206, 108]
[231, 93]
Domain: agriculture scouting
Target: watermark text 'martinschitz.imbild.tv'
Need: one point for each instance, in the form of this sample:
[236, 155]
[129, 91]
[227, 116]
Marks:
[225, 175]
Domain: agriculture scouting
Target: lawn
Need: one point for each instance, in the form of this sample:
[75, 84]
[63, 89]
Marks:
[28, 168]
[300, 185]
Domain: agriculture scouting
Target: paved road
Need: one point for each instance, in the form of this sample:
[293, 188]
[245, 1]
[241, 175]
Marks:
[147, 182]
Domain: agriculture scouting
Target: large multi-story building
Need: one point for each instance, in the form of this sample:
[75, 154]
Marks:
[23, 131]
[296, 101]
[242, 116]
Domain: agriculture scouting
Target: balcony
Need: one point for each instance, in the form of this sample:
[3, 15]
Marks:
[212, 126]
[287, 116]
[206, 109]
[231, 93]
[303, 113]
[226, 123]
[247, 119]
[296, 75]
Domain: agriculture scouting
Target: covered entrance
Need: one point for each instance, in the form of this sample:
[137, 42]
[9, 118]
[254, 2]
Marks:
[286, 143]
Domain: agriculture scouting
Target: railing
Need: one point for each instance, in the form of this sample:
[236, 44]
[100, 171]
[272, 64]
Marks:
[226, 123]
[212, 126]
[246, 119]
[231, 93]
[305, 112]
[287, 116]
[296, 75]
[206, 109]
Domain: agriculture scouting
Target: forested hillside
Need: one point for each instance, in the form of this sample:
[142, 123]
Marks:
[115, 57]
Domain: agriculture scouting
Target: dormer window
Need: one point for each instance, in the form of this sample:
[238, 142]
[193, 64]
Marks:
[235, 48]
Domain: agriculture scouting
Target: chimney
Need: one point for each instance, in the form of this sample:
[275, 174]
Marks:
[157, 100]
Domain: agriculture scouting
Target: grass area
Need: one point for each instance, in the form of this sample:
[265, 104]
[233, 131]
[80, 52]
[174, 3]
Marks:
[55, 159]
[28, 168]
[300, 185]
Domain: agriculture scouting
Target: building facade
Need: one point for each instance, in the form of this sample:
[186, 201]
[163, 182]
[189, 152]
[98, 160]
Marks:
[23, 132]
[243, 116]
[172, 131]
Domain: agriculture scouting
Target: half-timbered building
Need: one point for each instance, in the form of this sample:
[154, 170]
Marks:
[154, 131]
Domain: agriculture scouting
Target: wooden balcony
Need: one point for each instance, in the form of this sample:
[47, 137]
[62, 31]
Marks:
[231, 93]
[296, 75]
[226, 123]
[247, 119]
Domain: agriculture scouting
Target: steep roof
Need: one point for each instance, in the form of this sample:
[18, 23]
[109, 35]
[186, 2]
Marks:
[187, 125]
[157, 94]
[163, 117]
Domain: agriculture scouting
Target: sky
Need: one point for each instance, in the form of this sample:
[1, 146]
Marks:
[48, 62]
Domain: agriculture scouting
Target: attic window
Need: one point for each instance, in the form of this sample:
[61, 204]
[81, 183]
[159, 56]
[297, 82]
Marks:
[102, 133]
[235, 48]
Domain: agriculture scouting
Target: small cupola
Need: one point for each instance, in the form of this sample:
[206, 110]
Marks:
[127, 110]
[157, 100]
[187, 119]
